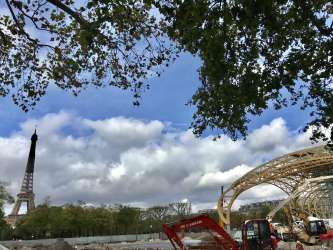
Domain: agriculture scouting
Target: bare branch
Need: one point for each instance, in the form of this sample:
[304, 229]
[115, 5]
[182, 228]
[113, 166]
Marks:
[36, 41]
[13, 14]
[34, 23]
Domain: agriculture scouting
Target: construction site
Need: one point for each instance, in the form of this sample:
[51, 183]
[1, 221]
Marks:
[166, 124]
[305, 176]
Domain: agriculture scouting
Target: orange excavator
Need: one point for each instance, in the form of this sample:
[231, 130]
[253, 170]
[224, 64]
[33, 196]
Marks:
[256, 234]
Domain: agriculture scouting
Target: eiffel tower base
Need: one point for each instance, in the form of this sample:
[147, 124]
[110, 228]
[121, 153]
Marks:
[22, 198]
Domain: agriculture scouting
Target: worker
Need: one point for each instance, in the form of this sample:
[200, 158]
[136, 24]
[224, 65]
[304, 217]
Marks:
[299, 246]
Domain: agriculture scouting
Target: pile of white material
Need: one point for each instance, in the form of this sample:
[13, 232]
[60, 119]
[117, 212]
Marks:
[60, 244]
[3, 248]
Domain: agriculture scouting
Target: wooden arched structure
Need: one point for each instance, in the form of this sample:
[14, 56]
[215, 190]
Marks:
[288, 173]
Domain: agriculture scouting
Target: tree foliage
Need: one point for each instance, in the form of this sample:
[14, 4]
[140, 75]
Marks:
[4, 197]
[257, 55]
[238, 218]
[73, 221]
[73, 44]
[76, 220]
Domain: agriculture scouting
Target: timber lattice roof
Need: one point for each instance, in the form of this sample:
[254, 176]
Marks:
[289, 172]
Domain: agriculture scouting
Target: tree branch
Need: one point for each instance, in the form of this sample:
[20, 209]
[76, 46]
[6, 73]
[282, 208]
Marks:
[36, 41]
[19, 24]
[13, 14]
[71, 12]
[34, 23]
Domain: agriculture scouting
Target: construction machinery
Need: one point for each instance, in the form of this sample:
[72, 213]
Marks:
[256, 234]
[306, 176]
[283, 232]
[306, 228]
[309, 230]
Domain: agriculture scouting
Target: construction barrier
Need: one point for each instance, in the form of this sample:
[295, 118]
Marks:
[84, 240]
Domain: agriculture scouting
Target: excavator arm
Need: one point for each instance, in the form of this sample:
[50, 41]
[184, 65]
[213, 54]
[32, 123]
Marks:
[222, 238]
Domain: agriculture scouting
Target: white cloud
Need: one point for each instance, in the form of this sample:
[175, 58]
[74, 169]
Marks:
[49, 124]
[124, 132]
[124, 160]
[269, 136]
[116, 173]
[216, 178]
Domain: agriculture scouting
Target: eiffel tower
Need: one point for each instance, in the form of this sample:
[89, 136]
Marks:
[26, 194]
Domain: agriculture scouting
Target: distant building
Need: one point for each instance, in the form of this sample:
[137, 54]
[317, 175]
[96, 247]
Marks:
[258, 205]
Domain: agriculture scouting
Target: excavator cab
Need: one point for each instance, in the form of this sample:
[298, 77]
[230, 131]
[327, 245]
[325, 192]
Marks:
[316, 227]
[256, 235]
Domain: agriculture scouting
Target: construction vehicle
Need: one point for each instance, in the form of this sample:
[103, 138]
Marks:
[312, 232]
[283, 232]
[307, 229]
[256, 234]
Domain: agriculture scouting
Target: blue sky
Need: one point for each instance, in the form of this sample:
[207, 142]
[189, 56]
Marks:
[147, 147]
[164, 101]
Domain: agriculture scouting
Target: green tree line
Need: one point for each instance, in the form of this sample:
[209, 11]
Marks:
[237, 218]
[79, 220]
[75, 220]
[5, 230]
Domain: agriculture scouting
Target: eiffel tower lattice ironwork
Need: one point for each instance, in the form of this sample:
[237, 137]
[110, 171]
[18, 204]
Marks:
[26, 194]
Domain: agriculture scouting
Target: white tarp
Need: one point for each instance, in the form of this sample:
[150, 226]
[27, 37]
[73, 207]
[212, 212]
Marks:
[3, 248]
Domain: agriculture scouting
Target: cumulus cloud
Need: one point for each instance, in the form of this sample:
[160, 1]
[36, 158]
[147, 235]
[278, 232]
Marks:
[269, 136]
[125, 160]
[212, 179]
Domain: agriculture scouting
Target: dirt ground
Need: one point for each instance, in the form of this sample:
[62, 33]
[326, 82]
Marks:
[156, 245]
[292, 246]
